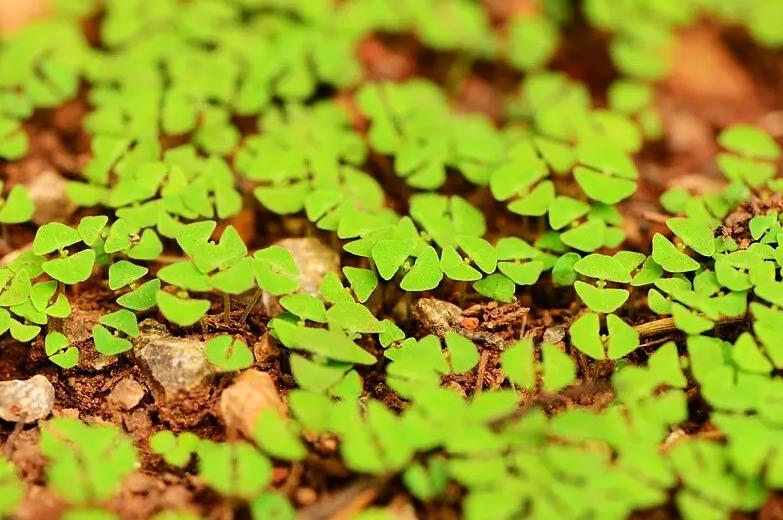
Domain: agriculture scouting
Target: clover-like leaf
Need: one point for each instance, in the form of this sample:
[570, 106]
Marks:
[59, 350]
[71, 269]
[670, 258]
[107, 343]
[425, 274]
[463, 354]
[122, 320]
[229, 354]
[363, 282]
[603, 267]
[17, 207]
[54, 236]
[496, 286]
[275, 270]
[182, 311]
[353, 318]
[124, 273]
[601, 299]
[141, 298]
[696, 234]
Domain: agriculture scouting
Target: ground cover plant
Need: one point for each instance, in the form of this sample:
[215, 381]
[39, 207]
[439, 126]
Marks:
[390, 260]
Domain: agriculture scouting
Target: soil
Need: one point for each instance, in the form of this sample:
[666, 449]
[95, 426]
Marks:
[721, 77]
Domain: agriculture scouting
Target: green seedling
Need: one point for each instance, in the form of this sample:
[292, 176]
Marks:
[17, 206]
[750, 155]
[557, 370]
[228, 354]
[59, 350]
[67, 268]
[621, 339]
[97, 458]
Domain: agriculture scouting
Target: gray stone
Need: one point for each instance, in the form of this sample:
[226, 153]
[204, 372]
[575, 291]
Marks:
[26, 400]
[555, 334]
[174, 364]
[48, 193]
[251, 392]
[127, 393]
[436, 316]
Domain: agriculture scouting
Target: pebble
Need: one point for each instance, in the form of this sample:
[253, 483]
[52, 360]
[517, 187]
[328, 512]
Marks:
[127, 393]
[555, 335]
[437, 316]
[251, 392]
[314, 259]
[174, 364]
[26, 400]
[265, 349]
[48, 193]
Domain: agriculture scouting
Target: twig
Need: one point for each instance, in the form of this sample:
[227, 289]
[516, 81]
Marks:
[347, 503]
[666, 325]
[251, 305]
[482, 367]
[227, 308]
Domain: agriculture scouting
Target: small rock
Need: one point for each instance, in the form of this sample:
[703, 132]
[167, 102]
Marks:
[26, 400]
[265, 348]
[554, 335]
[314, 259]
[49, 195]
[175, 364]
[305, 496]
[250, 393]
[437, 316]
[127, 393]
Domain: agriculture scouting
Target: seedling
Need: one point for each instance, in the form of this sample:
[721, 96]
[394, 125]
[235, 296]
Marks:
[228, 354]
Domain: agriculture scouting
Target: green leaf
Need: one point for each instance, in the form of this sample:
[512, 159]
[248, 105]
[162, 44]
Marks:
[457, 268]
[71, 269]
[558, 369]
[463, 354]
[696, 234]
[229, 354]
[602, 299]
[122, 320]
[17, 207]
[518, 362]
[603, 267]
[353, 318]
[149, 246]
[332, 344]
[237, 279]
[119, 237]
[278, 436]
[479, 251]
[90, 228]
[585, 335]
[176, 450]
[602, 187]
[362, 281]
[22, 332]
[565, 210]
[54, 236]
[305, 306]
[497, 287]
[749, 141]
[141, 298]
[59, 350]
[107, 343]
[124, 273]
[275, 270]
[425, 274]
[623, 339]
[183, 312]
[390, 254]
[587, 237]
[670, 258]
[184, 274]
[522, 274]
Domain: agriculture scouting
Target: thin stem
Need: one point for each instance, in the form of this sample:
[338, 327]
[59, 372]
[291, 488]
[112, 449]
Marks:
[227, 308]
[253, 302]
